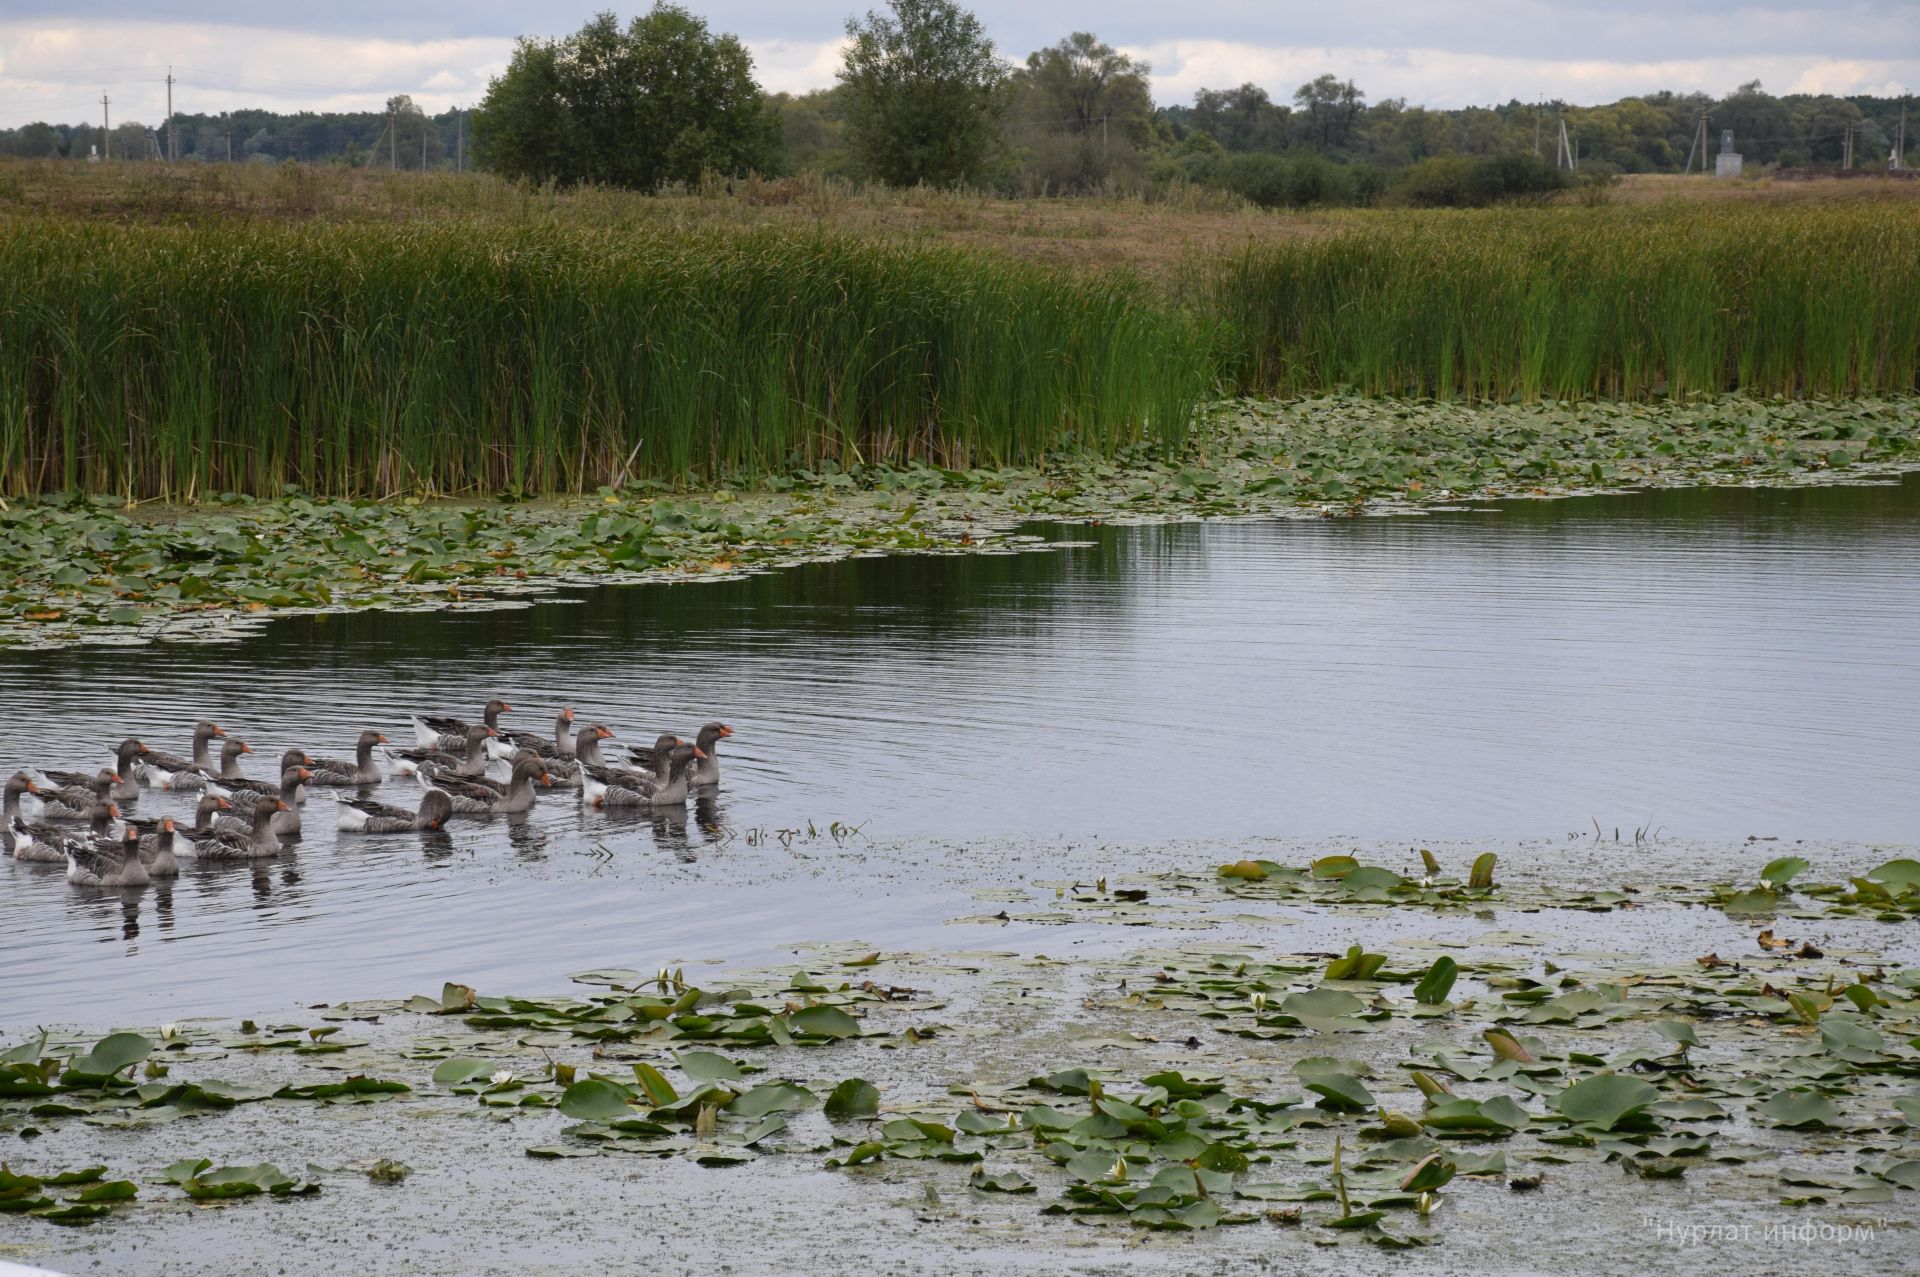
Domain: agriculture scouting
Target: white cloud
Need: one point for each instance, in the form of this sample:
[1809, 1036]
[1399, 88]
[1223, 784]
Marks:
[56, 68]
[1436, 77]
[58, 72]
[796, 66]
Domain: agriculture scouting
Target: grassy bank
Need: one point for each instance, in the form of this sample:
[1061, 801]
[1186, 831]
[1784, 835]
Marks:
[180, 334]
[90, 570]
[368, 359]
[1616, 303]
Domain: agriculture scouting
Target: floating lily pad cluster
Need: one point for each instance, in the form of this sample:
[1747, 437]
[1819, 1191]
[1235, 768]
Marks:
[44, 1082]
[87, 569]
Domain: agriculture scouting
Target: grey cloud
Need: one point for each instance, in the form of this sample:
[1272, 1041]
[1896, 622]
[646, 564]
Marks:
[1637, 30]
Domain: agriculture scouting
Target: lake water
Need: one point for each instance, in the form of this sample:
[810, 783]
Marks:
[1707, 664]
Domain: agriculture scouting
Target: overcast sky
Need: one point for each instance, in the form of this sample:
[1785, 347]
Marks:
[57, 57]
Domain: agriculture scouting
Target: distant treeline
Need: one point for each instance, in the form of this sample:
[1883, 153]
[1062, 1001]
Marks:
[1079, 119]
[263, 137]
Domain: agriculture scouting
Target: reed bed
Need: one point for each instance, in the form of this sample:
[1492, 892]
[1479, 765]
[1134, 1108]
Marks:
[542, 348]
[366, 359]
[1628, 303]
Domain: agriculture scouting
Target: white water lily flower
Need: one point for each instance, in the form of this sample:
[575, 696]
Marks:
[503, 1077]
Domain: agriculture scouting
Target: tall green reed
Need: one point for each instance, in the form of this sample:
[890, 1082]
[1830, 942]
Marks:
[364, 359]
[1577, 303]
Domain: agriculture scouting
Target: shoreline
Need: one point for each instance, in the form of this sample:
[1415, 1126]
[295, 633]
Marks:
[87, 572]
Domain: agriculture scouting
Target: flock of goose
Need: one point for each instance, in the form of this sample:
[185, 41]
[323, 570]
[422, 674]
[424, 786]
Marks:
[462, 769]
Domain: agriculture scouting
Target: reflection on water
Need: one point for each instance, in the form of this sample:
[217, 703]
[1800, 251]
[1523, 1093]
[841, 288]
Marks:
[1716, 663]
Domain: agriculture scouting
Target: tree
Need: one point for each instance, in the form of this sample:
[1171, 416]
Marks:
[1083, 111]
[1331, 106]
[662, 101]
[1242, 119]
[924, 94]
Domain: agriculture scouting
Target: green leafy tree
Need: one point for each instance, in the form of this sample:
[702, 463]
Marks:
[1332, 107]
[1242, 119]
[1083, 112]
[924, 94]
[663, 101]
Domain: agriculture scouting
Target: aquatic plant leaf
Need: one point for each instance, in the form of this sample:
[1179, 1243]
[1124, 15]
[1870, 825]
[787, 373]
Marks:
[1753, 902]
[461, 1069]
[1507, 1047]
[1900, 876]
[1356, 965]
[1321, 1004]
[870, 1151]
[1799, 1107]
[75, 1212]
[654, 1085]
[113, 1190]
[110, 1055]
[706, 1066]
[1004, 1182]
[1481, 876]
[596, 1100]
[1678, 1031]
[772, 1097]
[1438, 981]
[1429, 1173]
[1338, 1090]
[1605, 1099]
[1778, 873]
[1333, 866]
[825, 1021]
[1496, 1114]
[1248, 870]
[1845, 1035]
[855, 1097]
[1221, 1157]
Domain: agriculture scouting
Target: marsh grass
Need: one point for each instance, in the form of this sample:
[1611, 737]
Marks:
[175, 333]
[365, 359]
[1630, 303]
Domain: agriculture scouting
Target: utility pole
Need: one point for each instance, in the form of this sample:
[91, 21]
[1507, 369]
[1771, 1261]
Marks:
[1846, 149]
[393, 144]
[1698, 145]
[1900, 139]
[1536, 132]
[106, 130]
[173, 150]
[1563, 156]
[459, 141]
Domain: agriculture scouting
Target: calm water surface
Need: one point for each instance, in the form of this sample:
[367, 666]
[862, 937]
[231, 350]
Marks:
[1714, 663]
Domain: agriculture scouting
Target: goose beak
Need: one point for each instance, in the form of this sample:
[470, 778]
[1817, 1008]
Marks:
[32, 786]
[382, 736]
[145, 750]
[505, 708]
[567, 713]
[698, 752]
[307, 759]
[545, 779]
[725, 731]
[305, 774]
[116, 778]
[224, 804]
[217, 729]
[606, 733]
[113, 810]
[246, 748]
[280, 805]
